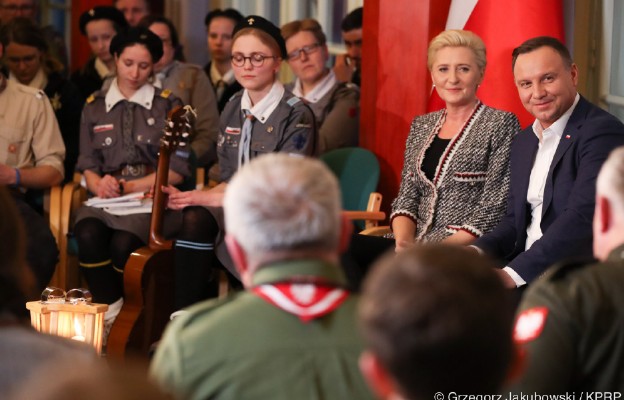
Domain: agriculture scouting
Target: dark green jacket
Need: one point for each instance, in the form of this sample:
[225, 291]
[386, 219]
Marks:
[246, 348]
[581, 344]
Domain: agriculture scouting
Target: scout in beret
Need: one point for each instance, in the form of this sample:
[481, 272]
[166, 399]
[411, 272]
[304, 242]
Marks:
[138, 35]
[120, 132]
[97, 13]
[262, 118]
[269, 32]
[99, 25]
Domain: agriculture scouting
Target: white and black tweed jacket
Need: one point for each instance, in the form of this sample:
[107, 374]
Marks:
[469, 190]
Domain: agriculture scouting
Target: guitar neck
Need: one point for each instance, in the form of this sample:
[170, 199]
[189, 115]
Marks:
[156, 239]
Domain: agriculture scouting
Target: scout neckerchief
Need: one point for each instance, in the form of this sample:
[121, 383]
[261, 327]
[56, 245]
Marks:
[307, 300]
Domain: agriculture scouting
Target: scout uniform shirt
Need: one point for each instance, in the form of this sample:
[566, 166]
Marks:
[189, 83]
[67, 102]
[29, 133]
[102, 147]
[571, 326]
[281, 123]
[245, 347]
[336, 107]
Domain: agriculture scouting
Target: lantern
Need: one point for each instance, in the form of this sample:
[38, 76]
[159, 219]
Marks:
[69, 314]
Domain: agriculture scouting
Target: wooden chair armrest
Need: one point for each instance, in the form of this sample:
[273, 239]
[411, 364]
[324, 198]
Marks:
[52, 207]
[376, 231]
[368, 215]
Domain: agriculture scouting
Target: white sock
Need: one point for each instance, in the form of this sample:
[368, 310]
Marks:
[113, 310]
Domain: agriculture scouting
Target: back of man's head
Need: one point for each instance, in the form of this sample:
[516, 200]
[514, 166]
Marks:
[281, 203]
[353, 20]
[437, 319]
[609, 217]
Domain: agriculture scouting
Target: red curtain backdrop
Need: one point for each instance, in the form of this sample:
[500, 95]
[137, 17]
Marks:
[396, 85]
[395, 80]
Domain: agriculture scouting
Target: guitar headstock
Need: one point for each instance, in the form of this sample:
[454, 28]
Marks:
[177, 129]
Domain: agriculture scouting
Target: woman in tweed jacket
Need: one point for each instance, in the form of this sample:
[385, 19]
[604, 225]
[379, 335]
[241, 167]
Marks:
[456, 173]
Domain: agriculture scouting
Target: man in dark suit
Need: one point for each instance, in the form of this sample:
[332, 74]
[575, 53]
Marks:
[554, 164]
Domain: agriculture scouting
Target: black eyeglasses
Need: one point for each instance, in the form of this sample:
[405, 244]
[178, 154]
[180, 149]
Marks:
[256, 59]
[307, 50]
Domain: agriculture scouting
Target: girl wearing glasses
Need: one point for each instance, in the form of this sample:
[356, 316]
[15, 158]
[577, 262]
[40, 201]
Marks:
[335, 104]
[260, 119]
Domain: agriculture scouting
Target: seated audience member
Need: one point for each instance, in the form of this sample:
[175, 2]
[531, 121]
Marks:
[29, 9]
[119, 137]
[435, 320]
[133, 10]
[335, 104]
[263, 118]
[189, 83]
[571, 320]
[455, 176]
[22, 348]
[348, 67]
[99, 25]
[29, 63]
[291, 334]
[31, 159]
[554, 164]
[219, 26]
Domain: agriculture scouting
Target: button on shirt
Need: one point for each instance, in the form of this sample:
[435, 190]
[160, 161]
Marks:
[550, 138]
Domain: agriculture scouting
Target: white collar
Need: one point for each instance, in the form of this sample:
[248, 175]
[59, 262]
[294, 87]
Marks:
[143, 97]
[559, 125]
[215, 75]
[263, 109]
[102, 69]
[320, 90]
[40, 81]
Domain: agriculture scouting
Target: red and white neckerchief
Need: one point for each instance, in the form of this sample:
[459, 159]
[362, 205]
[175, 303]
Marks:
[530, 324]
[305, 300]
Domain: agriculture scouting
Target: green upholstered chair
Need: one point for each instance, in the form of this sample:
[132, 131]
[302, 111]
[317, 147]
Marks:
[357, 170]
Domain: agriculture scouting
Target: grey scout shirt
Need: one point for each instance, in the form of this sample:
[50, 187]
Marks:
[289, 128]
[101, 141]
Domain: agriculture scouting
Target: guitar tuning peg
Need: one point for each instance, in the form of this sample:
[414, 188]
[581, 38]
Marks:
[185, 134]
[171, 124]
[182, 144]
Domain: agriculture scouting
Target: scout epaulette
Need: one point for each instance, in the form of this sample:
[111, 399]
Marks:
[293, 100]
[165, 93]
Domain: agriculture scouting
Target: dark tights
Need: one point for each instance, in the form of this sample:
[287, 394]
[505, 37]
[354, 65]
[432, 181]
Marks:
[103, 253]
[196, 264]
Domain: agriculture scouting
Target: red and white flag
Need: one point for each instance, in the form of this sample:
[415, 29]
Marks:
[503, 26]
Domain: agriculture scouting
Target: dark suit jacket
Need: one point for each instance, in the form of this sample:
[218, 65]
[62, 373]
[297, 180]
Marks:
[568, 209]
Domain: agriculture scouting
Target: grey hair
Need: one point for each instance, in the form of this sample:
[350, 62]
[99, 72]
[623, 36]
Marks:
[610, 181]
[280, 202]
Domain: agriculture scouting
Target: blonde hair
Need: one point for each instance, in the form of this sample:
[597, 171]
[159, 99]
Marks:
[457, 38]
